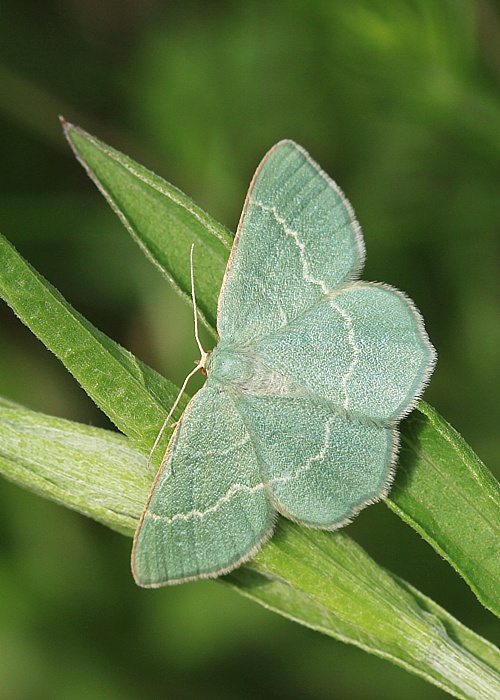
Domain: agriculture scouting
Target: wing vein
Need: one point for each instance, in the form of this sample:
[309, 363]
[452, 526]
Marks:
[195, 513]
[307, 465]
[351, 339]
[306, 270]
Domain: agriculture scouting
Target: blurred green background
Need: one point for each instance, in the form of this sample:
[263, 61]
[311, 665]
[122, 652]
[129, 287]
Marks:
[399, 102]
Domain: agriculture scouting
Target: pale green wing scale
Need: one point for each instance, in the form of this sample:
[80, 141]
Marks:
[297, 240]
[208, 510]
[304, 391]
[319, 468]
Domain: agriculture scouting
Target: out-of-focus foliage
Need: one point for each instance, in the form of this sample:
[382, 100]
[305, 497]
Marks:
[399, 102]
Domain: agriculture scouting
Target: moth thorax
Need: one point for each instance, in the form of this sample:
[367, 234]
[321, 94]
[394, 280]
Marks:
[243, 371]
[229, 367]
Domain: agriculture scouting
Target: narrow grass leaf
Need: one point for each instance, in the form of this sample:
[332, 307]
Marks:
[94, 471]
[163, 220]
[444, 491]
[327, 582]
[131, 394]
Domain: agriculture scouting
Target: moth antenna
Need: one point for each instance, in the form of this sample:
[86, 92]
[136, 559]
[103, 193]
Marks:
[195, 311]
[170, 413]
[200, 365]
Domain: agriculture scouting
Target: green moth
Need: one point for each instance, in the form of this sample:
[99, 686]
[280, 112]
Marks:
[304, 390]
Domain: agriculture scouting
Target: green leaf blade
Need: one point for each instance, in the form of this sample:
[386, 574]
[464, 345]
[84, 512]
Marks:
[327, 582]
[130, 393]
[444, 491]
[94, 471]
[163, 220]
